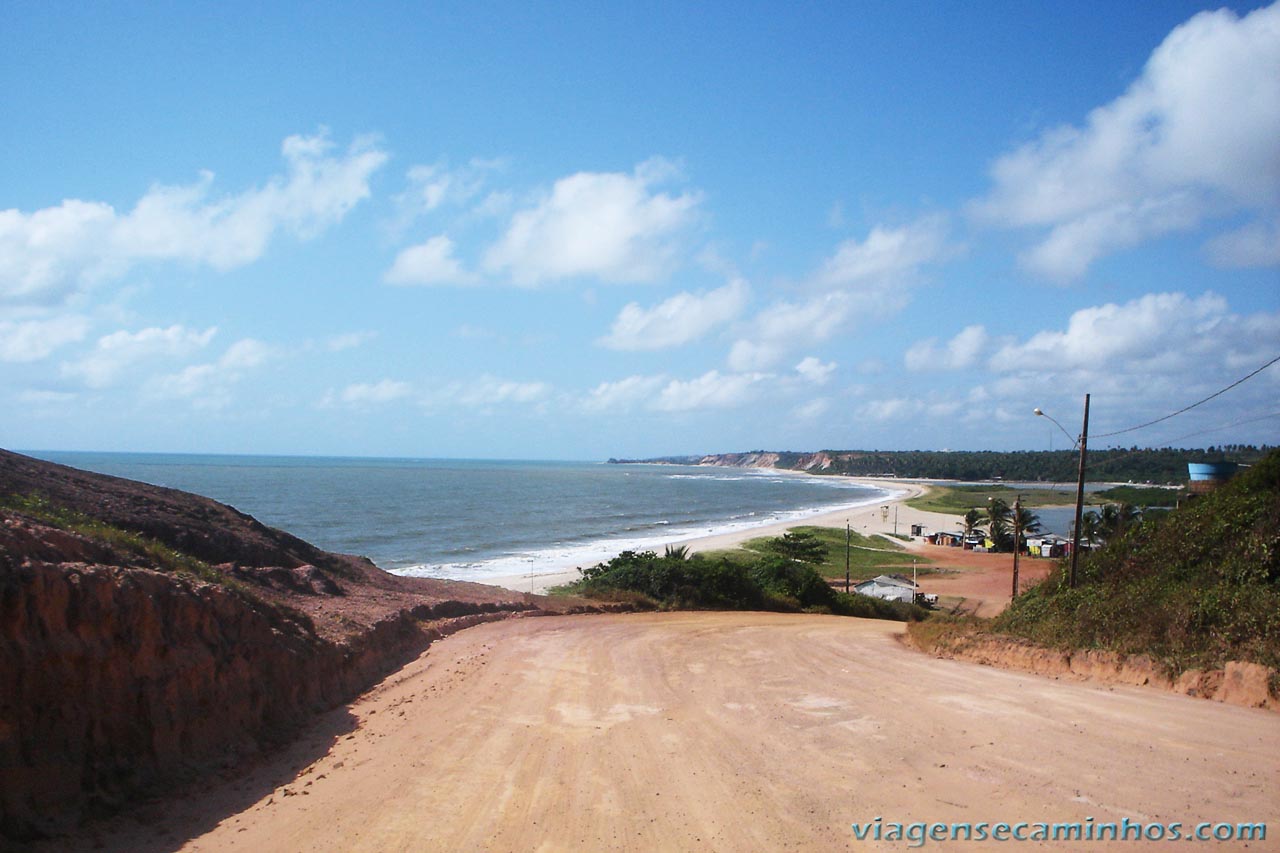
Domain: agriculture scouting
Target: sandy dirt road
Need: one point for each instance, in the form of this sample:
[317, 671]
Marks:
[720, 731]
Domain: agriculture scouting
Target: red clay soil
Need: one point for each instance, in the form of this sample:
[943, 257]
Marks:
[983, 582]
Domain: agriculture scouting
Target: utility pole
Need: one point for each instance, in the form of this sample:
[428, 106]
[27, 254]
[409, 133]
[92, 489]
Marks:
[895, 519]
[848, 535]
[1075, 535]
[1017, 540]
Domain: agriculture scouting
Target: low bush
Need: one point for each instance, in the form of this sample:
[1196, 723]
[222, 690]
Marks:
[766, 582]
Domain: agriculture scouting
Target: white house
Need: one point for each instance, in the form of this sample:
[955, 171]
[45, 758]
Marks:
[888, 588]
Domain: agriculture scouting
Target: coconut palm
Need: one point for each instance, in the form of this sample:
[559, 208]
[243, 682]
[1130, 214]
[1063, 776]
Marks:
[1116, 519]
[1027, 522]
[972, 522]
[998, 513]
[1091, 529]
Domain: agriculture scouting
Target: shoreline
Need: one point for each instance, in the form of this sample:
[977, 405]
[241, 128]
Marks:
[879, 515]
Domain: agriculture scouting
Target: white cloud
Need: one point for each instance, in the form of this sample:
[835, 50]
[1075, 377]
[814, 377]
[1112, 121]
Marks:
[1158, 327]
[45, 398]
[209, 384]
[1151, 356]
[683, 318]
[887, 256]
[116, 352]
[784, 326]
[432, 262]
[1254, 245]
[964, 350]
[348, 340]
[624, 394]
[862, 281]
[360, 394]
[50, 253]
[815, 371]
[1072, 247]
[612, 226]
[487, 391]
[1196, 136]
[893, 409]
[244, 354]
[812, 410]
[435, 186]
[490, 389]
[711, 390]
[32, 340]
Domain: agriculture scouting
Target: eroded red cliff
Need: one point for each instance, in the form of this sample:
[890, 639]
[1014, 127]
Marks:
[120, 672]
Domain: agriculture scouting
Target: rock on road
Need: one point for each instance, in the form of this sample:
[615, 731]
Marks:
[721, 731]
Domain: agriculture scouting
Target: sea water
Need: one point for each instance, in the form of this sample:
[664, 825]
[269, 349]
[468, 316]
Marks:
[474, 519]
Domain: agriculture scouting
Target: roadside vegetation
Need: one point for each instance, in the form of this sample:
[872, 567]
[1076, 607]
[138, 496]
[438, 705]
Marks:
[868, 555]
[148, 551]
[1191, 588]
[779, 576]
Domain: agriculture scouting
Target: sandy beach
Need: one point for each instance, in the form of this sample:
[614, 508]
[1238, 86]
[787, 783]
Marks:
[888, 516]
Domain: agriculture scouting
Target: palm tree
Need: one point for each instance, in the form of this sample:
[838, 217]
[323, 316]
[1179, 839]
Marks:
[1091, 527]
[972, 522]
[998, 522]
[1027, 522]
[1116, 518]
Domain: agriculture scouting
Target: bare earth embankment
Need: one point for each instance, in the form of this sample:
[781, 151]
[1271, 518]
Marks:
[725, 731]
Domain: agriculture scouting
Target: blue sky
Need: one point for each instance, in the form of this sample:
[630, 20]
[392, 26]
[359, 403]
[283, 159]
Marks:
[577, 231]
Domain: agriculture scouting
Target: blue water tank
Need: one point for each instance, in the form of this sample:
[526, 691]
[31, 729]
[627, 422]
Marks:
[1207, 476]
[1217, 471]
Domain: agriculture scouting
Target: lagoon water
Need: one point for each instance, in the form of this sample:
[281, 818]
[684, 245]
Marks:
[472, 519]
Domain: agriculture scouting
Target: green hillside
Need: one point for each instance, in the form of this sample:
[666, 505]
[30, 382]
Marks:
[1195, 587]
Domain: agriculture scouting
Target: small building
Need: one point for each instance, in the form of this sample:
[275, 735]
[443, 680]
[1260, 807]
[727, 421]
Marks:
[1048, 545]
[951, 539]
[888, 587]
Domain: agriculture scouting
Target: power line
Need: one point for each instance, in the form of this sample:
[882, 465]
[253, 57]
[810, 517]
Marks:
[1193, 405]
[1221, 427]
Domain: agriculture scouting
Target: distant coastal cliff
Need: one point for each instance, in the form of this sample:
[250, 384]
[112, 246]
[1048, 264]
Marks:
[148, 635]
[1162, 465]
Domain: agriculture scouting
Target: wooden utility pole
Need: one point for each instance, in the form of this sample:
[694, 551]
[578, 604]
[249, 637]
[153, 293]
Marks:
[1075, 536]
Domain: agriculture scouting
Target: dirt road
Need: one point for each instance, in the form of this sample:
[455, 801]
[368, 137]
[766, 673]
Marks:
[721, 731]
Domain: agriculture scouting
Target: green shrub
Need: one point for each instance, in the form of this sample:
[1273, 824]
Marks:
[767, 581]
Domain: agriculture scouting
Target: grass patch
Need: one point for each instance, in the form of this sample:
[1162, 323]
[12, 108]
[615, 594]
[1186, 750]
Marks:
[868, 555]
[957, 500]
[156, 554]
[1143, 496]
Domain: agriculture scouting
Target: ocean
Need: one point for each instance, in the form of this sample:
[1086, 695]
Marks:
[475, 519]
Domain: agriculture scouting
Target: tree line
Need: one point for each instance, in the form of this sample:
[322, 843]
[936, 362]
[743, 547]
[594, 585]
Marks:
[1166, 466]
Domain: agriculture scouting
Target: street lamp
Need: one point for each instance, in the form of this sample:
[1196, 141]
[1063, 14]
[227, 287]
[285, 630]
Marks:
[1083, 441]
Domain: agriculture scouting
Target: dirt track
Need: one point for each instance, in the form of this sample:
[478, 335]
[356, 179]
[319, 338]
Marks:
[724, 731]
